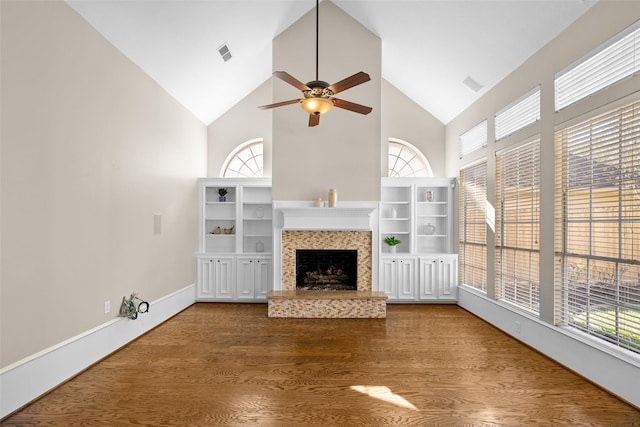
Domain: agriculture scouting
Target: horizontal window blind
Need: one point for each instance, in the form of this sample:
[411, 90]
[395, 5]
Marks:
[518, 115]
[599, 192]
[472, 223]
[620, 59]
[474, 139]
[518, 226]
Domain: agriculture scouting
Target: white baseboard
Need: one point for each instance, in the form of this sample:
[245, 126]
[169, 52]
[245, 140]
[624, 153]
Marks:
[610, 368]
[27, 379]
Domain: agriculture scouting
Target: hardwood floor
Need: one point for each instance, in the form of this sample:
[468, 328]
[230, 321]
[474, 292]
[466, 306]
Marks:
[228, 364]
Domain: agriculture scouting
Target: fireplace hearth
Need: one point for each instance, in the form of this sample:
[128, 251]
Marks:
[326, 270]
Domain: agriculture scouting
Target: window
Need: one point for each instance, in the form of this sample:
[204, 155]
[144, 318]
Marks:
[521, 113]
[245, 161]
[473, 140]
[598, 226]
[473, 230]
[518, 225]
[407, 160]
[612, 63]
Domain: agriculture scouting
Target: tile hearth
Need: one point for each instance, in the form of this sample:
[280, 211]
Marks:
[328, 304]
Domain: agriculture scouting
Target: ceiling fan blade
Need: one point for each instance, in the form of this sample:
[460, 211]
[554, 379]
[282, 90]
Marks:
[279, 104]
[314, 120]
[284, 76]
[351, 106]
[349, 82]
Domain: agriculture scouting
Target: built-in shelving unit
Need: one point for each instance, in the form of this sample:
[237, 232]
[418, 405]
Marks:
[419, 213]
[235, 239]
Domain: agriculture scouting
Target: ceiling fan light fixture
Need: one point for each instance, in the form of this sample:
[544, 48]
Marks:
[317, 105]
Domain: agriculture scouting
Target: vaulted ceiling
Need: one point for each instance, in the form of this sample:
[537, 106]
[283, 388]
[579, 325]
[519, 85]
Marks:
[429, 47]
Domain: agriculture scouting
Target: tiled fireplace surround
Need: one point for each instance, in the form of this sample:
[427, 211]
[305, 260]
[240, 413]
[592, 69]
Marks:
[325, 228]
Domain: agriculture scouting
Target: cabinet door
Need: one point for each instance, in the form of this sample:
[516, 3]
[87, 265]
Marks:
[263, 273]
[245, 284]
[428, 278]
[405, 278]
[224, 278]
[388, 283]
[205, 278]
[448, 272]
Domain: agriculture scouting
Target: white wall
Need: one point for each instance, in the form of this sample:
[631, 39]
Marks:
[91, 149]
[596, 26]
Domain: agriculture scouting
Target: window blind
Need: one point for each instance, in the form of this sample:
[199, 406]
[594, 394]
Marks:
[598, 178]
[521, 113]
[472, 226]
[619, 59]
[473, 140]
[518, 226]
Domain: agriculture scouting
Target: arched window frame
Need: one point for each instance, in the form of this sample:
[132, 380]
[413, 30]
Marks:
[257, 169]
[393, 171]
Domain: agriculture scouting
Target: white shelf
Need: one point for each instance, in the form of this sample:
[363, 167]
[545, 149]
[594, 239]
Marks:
[247, 208]
[418, 203]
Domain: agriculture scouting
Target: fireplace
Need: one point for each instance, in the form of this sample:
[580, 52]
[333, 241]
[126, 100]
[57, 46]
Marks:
[349, 231]
[356, 242]
[326, 269]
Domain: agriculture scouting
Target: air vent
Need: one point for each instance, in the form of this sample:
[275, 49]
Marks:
[224, 52]
[472, 84]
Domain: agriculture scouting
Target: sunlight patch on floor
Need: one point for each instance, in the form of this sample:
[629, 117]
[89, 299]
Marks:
[385, 394]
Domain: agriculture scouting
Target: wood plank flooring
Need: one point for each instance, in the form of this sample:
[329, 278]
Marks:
[230, 365]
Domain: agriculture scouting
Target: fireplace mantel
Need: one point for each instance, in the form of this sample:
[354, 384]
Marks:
[339, 218]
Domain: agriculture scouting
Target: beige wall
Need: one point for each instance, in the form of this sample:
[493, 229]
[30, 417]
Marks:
[343, 152]
[404, 119]
[347, 150]
[244, 122]
[91, 149]
[595, 27]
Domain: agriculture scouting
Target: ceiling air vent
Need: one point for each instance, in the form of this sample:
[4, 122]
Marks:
[472, 84]
[224, 52]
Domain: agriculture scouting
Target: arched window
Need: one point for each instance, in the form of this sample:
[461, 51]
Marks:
[407, 160]
[245, 161]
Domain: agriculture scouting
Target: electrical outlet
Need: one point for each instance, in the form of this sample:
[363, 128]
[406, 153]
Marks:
[107, 307]
[518, 327]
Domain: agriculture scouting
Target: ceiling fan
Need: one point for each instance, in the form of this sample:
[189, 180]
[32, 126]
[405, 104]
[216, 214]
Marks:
[318, 95]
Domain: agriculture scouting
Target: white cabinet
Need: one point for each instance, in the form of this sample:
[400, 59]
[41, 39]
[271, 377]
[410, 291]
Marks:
[438, 277]
[254, 277]
[214, 278]
[397, 278]
[418, 212]
[235, 239]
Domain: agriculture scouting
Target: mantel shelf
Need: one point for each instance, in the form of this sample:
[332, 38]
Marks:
[339, 218]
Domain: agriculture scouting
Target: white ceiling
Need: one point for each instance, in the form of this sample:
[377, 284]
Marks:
[429, 47]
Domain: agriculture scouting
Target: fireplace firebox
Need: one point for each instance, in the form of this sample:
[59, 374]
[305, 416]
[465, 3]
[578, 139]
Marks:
[327, 269]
